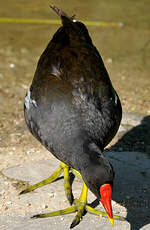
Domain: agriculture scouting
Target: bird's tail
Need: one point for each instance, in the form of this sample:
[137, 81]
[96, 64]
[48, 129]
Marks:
[62, 14]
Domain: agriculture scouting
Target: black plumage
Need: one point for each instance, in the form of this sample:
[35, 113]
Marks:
[71, 106]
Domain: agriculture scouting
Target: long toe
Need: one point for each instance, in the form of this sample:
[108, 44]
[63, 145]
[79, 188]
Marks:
[61, 212]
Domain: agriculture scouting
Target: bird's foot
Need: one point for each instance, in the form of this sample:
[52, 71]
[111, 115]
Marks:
[67, 186]
[80, 206]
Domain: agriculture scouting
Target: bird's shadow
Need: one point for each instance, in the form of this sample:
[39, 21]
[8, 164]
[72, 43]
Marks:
[132, 170]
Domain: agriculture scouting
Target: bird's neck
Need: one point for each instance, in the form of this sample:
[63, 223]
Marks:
[91, 154]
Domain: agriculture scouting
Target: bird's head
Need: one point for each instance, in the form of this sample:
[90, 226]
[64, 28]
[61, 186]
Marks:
[99, 176]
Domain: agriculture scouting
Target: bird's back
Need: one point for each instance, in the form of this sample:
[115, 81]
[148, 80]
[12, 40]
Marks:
[71, 99]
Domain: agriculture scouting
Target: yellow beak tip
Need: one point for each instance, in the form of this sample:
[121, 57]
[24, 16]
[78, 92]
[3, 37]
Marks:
[111, 221]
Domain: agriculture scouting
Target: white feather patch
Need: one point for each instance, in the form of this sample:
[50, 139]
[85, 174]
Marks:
[29, 101]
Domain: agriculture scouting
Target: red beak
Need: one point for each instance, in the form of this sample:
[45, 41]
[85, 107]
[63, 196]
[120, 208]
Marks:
[105, 193]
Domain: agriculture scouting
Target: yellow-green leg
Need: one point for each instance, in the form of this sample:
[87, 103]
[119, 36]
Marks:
[62, 168]
[80, 205]
[67, 185]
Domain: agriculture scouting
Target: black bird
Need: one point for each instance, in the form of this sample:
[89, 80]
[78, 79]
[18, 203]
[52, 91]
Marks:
[74, 111]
